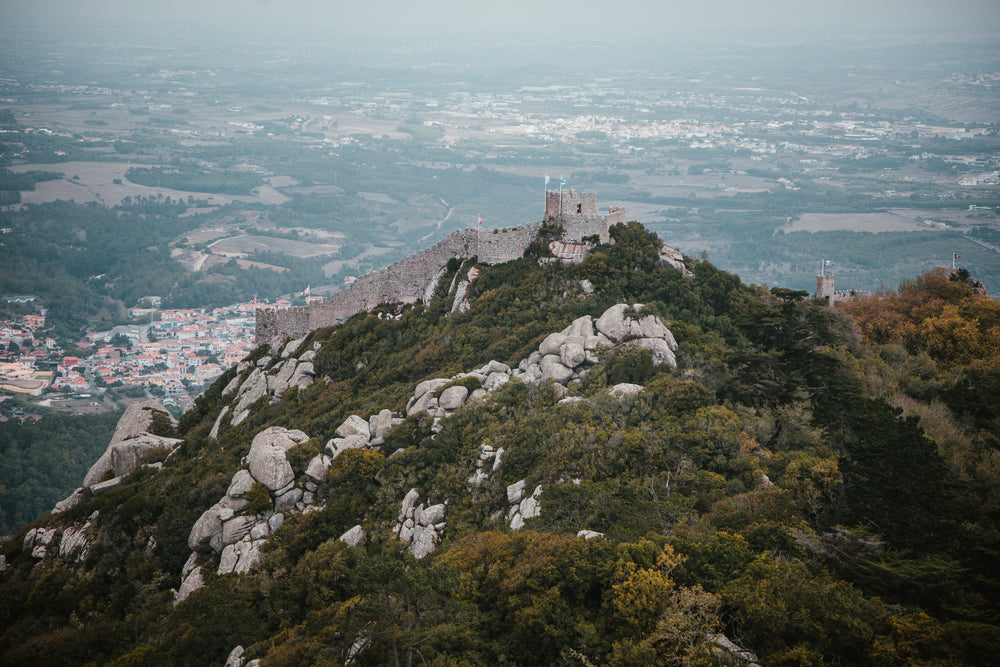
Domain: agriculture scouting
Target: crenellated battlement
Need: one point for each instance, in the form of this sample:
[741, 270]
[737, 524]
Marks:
[412, 279]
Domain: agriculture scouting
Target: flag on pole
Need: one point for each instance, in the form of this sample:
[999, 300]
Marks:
[957, 256]
[306, 291]
[826, 262]
[562, 181]
[480, 223]
[546, 179]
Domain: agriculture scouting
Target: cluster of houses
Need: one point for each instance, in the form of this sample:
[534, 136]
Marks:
[22, 350]
[171, 349]
[176, 350]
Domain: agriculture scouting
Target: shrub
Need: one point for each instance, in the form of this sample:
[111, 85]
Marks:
[259, 497]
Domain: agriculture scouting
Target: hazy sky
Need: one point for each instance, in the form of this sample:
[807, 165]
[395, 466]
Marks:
[476, 19]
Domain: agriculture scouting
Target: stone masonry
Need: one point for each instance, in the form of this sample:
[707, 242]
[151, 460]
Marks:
[411, 279]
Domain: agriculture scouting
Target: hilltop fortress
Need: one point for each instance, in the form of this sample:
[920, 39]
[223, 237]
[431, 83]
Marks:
[413, 278]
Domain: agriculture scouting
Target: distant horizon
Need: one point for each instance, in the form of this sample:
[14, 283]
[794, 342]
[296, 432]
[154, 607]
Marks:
[444, 23]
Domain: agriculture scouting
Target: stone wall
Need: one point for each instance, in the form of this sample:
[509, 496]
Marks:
[413, 278]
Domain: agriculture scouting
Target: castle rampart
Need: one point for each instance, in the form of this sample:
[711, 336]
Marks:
[412, 279]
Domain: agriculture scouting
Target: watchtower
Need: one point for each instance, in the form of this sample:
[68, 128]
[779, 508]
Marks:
[572, 204]
[578, 214]
[824, 287]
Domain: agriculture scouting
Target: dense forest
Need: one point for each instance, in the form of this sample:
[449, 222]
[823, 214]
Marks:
[817, 483]
[41, 462]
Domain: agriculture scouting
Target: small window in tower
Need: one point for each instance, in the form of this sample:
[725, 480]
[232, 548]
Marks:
[579, 208]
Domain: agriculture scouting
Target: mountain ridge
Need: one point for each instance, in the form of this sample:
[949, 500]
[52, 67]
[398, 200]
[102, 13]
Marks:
[758, 475]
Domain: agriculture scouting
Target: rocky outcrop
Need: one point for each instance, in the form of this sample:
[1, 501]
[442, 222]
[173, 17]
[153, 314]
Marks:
[726, 649]
[353, 537]
[623, 389]
[266, 461]
[521, 507]
[484, 467]
[566, 356]
[192, 582]
[673, 258]
[562, 357]
[227, 528]
[37, 541]
[272, 376]
[130, 442]
[420, 526]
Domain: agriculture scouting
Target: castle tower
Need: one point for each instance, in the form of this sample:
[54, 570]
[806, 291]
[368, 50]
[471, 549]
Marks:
[578, 214]
[824, 287]
[573, 205]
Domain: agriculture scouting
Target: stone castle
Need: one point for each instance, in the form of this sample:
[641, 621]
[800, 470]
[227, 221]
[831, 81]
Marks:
[413, 278]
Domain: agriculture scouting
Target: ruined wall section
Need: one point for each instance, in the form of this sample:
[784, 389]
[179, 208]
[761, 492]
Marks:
[404, 281]
[408, 280]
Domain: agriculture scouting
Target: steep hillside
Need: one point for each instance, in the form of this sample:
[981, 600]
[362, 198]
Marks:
[599, 463]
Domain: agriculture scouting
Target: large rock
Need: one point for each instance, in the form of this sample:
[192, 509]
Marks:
[239, 558]
[409, 500]
[235, 658]
[236, 528]
[617, 325]
[206, 533]
[240, 485]
[552, 343]
[652, 327]
[572, 355]
[192, 582]
[496, 379]
[232, 386]
[286, 501]
[432, 515]
[252, 390]
[662, 354]
[69, 502]
[353, 537]
[134, 423]
[589, 534]
[424, 541]
[303, 375]
[291, 347]
[337, 445]
[214, 433]
[515, 491]
[425, 402]
[354, 425]
[318, 468]
[529, 508]
[553, 369]
[382, 423]
[74, 541]
[673, 258]
[127, 455]
[581, 327]
[429, 386]
[625, 389]
[267, 462]
[453, 398]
